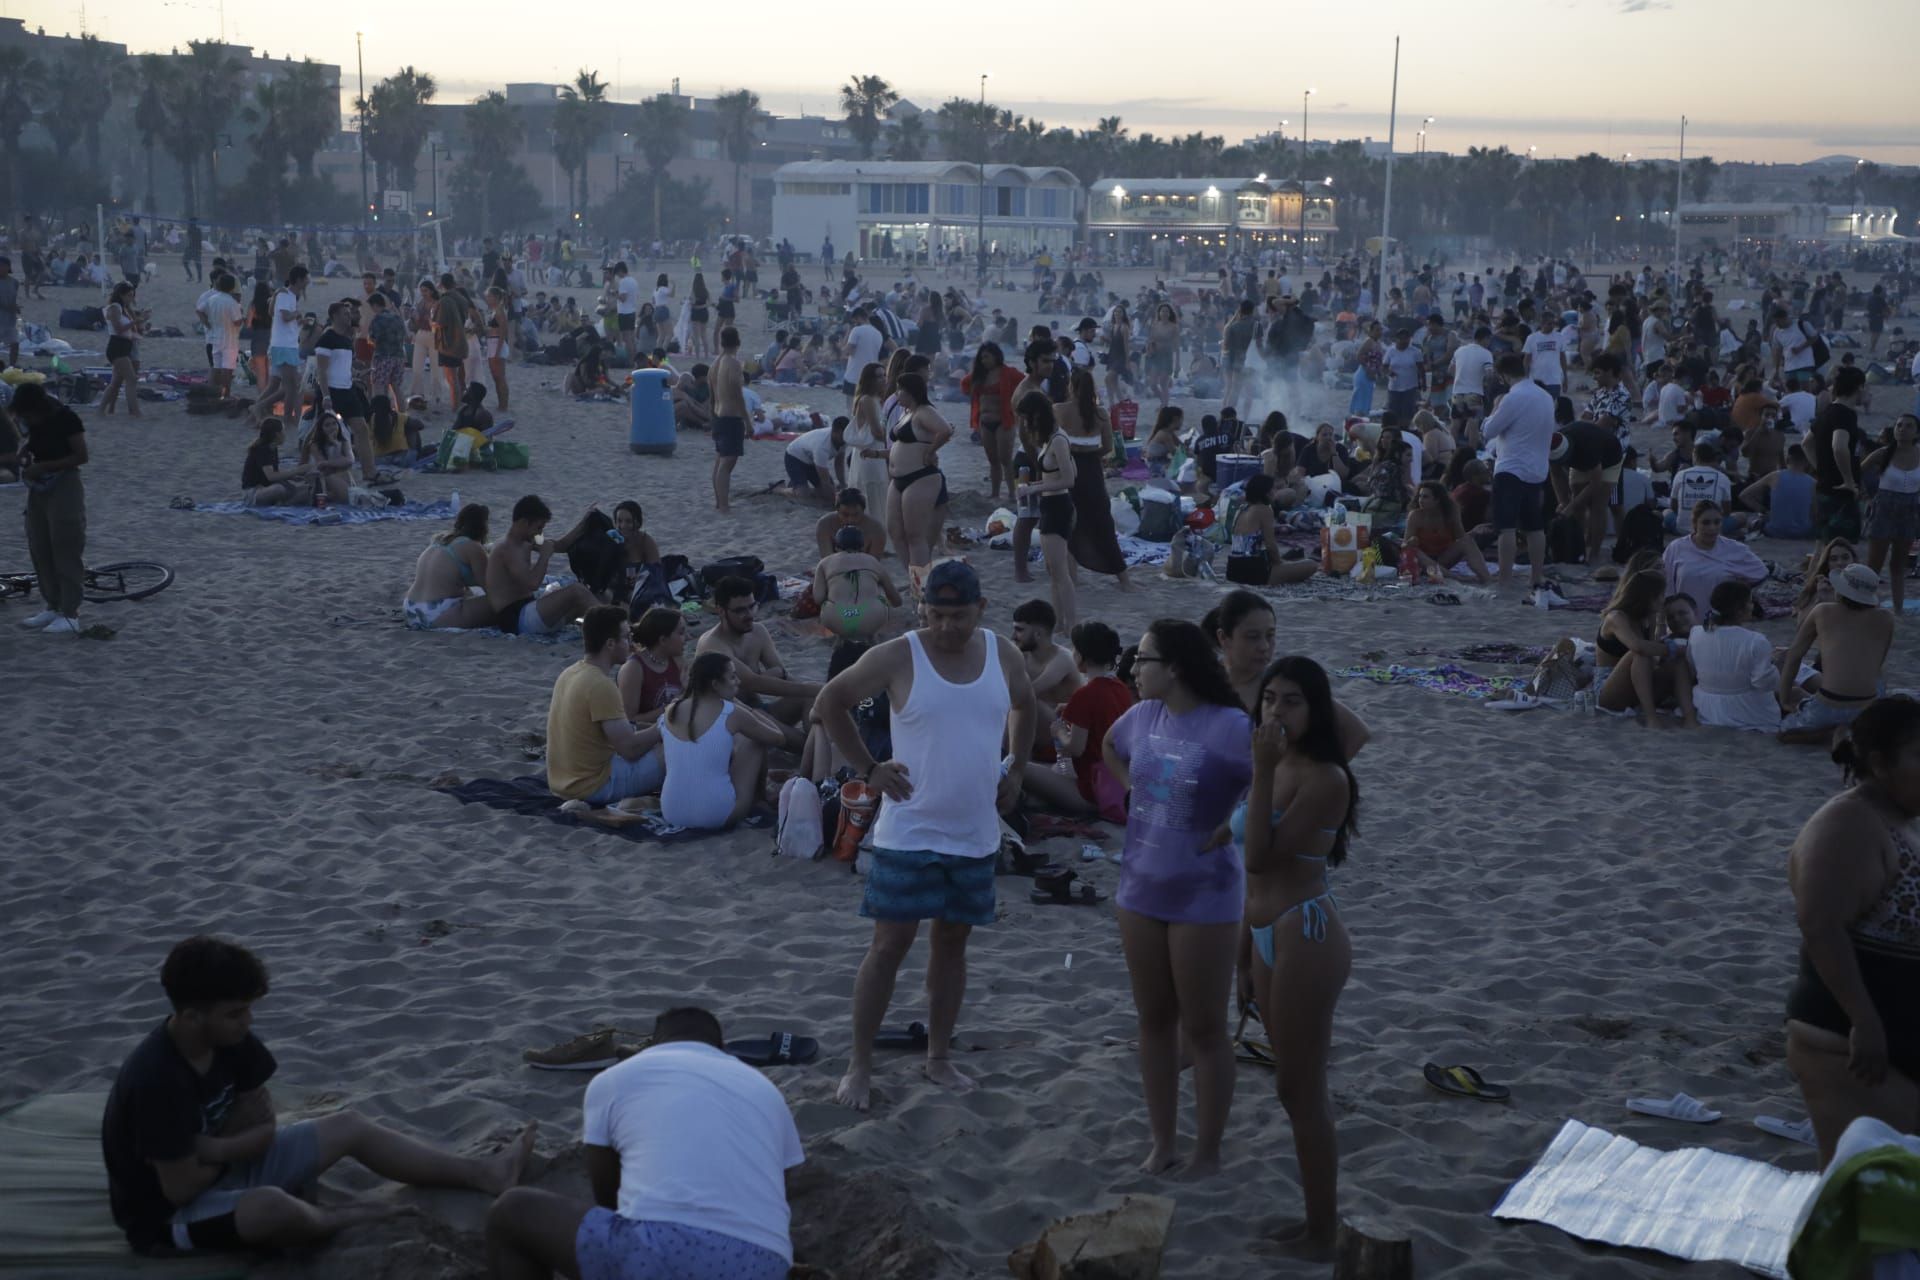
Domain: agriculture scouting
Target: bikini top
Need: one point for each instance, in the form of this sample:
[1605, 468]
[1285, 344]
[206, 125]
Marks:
[1895, 918]
[466, 570]
[1238, 826]
[904, 433]
[1046, 452]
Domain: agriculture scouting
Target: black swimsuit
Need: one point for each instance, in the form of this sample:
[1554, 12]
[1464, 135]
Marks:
[1056, 508]
[904, 434]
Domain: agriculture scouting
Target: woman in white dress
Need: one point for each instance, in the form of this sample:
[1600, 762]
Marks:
[1734, 672]
[866, 439]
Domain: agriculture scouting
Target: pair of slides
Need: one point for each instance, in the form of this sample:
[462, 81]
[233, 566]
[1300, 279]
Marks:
[1465, 1082]
[782, 1048]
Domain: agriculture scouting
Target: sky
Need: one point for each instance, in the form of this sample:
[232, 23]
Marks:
[1759, 80]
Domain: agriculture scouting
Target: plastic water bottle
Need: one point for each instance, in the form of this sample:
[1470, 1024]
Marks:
[453, 500]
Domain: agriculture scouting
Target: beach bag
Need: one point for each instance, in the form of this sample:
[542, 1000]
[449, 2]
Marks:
[511, 455]
[748, 567]
[1159, 516]
[1821, 351]
[798, 833]
[1557, 678]
[83, 318]
[1639, 528]
[650, 588]
[1566, 541]
[1126, 418]
[1340, 547]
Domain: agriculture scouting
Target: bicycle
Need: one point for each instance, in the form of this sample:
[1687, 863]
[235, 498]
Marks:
[123, 580]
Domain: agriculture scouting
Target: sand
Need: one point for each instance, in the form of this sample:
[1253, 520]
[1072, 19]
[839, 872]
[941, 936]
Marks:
[1577, 906]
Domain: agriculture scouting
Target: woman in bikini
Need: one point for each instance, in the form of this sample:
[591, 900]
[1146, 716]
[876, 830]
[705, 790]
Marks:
[445, 575]
[326, 454]
[1307, 798]
[123, 328]
[1634, 668]
[1052, 495]
[857, 598]
[1119, 362]
[913, 463]
[1161, 443]
[1254, 557]
[498, 325]
[989, 389]
[1439, 537]
[1163, 353]
[650, 679]
[1853, 1027]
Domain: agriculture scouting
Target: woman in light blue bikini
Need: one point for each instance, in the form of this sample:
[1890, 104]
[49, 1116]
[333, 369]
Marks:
[447, 573]
[1302, 954]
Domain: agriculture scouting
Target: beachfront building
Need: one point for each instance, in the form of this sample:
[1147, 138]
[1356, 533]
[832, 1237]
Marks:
[1726, 225]
[911, 208]
[1129, 216]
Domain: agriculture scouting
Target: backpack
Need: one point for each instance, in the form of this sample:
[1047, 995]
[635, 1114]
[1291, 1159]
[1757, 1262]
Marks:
[799, 832]
[1639, 528]
[1159, 521]
[1566, 541]
[1821, 351]
[748, 567]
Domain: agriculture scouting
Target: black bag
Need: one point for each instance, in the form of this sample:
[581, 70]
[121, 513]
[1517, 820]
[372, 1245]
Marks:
[203, 400]
[596, 557]
[1639, 528]
[1566, 541]
[649, 589]
[1159, 521]
[748, 567]
[83, 318]
[1821, 351]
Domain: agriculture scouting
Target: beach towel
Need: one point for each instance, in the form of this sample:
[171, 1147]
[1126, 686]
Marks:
[529, 797]
[440, 510]
[54, 1217]
[1705, 1206]
[1445, 678]
[1867, 1207]
[1501, 652]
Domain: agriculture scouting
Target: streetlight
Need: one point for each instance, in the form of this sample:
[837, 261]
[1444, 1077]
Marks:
[980, 220]
[1301, 247]
[360, 67]
[434, 142]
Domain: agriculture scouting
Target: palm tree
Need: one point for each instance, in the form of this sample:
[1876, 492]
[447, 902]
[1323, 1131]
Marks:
[84, 91]
[396, 124]
[210, 90]
[865, 99]
[21, 79]
[659, 124]
[493, 134]
[577, 125]
[909, 139]
[267, 114]
[309, 114]
[738, 114]
[1110, 139]
[150, 109]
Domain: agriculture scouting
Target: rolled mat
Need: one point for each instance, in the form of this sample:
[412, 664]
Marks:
[54, 1218]
[1705, 1206]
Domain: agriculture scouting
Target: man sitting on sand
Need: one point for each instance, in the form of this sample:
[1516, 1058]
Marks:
[850, 510]
[1853, 634]
[693, 401]
[857, 598]
[1050, 670]
[687, 1150]
[196, 1159]
[594, 753]
[517, 568]
[763, 676]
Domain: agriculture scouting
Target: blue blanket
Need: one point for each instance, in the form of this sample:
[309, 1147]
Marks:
[529, 797]
[441, 510]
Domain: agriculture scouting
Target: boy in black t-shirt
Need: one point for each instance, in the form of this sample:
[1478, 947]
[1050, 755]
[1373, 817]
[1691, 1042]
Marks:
[195, 1157]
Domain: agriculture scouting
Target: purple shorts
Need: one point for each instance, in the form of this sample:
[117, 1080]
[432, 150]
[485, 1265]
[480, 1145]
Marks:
[610, 1247]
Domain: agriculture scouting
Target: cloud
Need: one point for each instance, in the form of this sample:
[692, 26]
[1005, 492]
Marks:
[1644, 6]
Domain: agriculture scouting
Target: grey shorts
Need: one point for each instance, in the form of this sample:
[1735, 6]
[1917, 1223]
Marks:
[206, 1222]
[1817, 713]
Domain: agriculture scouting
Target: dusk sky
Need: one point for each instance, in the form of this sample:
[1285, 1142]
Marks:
[1759, 79]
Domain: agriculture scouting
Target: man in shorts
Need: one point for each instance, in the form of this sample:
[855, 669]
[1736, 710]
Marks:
[594, 753]
[517, 568]
[196, 1159]
[451, 316]
[729, 380]
[688, 1151]
[1520, 432]
[955, 689]
[626, 309]
[283, 351]
[1853, 634]
[1586, 458]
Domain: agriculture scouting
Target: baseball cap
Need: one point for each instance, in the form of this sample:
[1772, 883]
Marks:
[953, 582]
[1858, 583]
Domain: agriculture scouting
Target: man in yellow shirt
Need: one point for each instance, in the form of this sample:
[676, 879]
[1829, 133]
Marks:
[594, 753]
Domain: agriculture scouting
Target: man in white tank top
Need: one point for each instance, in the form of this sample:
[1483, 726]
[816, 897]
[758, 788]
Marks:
[956, 690]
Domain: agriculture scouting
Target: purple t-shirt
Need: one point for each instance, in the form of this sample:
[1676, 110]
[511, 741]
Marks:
[1188, 772]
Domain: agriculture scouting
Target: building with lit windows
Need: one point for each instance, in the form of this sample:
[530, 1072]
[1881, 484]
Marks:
[1727, 225]
[1147, 214]
[904, 208]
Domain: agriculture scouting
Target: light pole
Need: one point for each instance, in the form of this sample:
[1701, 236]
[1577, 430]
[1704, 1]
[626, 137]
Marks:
[1301, 247]
[435, 165]
[1420, 141]
[360, 67]
[980, 214]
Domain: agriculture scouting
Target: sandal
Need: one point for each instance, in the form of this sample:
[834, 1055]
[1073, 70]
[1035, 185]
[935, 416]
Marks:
[1464, 1082]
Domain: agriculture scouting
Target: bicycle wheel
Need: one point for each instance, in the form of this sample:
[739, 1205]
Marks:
[16, 585]
[127, 580]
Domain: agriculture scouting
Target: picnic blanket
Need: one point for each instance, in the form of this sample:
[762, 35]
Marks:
[1705, 1206]
[438, 510]
[1445, 678]
[1499, 652]
[529, 797]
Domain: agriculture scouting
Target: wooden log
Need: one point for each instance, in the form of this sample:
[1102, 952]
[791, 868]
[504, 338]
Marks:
[1367, 1250]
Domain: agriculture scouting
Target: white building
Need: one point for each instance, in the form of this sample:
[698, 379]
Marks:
[1725, 225]
[901, 208]
[1127, 214]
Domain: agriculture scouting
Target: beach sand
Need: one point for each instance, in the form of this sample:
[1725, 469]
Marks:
[1576, 906]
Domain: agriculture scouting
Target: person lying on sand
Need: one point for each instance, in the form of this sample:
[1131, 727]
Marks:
[517, 568]
[763, 676]
[447, 573]
[688, 1151]
[594, 752]
[857, 598]
[1853, 634]
[196, 1159]
[850, 508]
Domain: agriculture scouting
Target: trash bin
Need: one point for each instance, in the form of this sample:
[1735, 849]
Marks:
[652, 429]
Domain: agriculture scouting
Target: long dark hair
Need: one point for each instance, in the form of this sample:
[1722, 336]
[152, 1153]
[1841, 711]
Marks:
[1880, 730]
[1036, 419]
[469, 522]
[706, 671]
[1234, 607]
[1085, 399]
[260, 310]
[979, 373]
[1186, 649]
[1321, 741]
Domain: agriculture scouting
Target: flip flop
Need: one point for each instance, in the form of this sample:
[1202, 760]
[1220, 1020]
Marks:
[1679, 1107]
[912, 1037]
[1464, 1082]
[1066, 896]
[1800, 1131]
[780, 1049]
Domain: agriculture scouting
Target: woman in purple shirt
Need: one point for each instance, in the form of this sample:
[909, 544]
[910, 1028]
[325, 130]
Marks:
[1185, 750]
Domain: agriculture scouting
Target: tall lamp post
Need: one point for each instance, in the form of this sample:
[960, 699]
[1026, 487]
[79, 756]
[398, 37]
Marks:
[435, 164]
[980, 214]
[1301, 247]
[1420, 143]
[360, 67]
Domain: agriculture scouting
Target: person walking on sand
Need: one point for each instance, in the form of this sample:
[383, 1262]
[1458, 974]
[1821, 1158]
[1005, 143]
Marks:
[50, 458]
[198, 1161]
[955, 688]
[729, 384]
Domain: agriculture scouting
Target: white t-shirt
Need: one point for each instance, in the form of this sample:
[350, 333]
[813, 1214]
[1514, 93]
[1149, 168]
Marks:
[627, 296]
[1543, 348]
[1694, 485]
[1652, 345]
[1673, 403]
[815, 447]
[863, 348]
[661, 296]
[1785, 341]
[1470, 365]
[286, 333]
[1403, 368]
[1635, 487]
[1801, 406]
[704, 1140]
[223, 320]
[1520, 432]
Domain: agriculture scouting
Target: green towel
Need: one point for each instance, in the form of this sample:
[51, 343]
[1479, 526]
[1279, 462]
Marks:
[54, 1217]
[1869, 1205]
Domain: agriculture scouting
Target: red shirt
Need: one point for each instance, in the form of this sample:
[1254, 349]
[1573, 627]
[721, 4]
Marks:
[1094, 707]
[1473, 502]
[659, 688]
